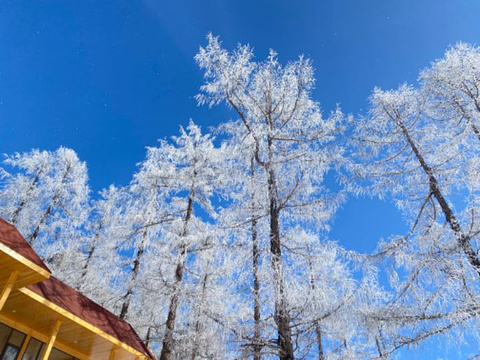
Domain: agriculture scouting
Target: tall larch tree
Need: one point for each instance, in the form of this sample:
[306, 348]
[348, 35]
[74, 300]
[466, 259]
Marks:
[435, 267]
[185, 170]
[292, 145]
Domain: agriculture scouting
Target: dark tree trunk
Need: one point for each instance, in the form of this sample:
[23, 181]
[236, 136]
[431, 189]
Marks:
[45, 216]
[89, 258]
[198, 323]
[136, 268]
[318, 332]
[318, 327]
[47, 212]
[379, 341]
[148, 336]
[167, 344]
[462, 239]
[379, 348]
[25, 199]
[468, 118]
[257, 348]
[475, 129]
[281, 315]
[90, 253]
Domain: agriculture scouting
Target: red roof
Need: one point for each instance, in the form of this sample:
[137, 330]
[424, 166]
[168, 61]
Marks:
[12, 238]
[79, 305]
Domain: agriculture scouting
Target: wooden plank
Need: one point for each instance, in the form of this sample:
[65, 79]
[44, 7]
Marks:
[8, 288]
[53, 336]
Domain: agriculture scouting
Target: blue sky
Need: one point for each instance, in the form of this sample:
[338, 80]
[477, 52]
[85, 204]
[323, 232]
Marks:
[108, 78]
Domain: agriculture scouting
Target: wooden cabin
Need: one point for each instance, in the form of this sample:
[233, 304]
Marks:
[43, 318]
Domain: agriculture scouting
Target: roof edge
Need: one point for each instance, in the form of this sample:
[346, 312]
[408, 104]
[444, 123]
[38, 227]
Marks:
[22, 259]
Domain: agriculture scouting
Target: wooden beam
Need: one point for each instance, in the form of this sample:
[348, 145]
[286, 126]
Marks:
[53, 336]
[8, 288]
[113, 353]
[24, 346]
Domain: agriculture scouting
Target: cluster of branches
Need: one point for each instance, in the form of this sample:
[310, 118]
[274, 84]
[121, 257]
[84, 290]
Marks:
[218, 247]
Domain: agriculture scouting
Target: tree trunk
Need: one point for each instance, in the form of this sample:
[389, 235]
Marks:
[462, 239]
[318, 332]
[281, 315]
[90, 254]
[25, 199]
[136, 268]
[50, 207]
[196, 344]
[45, 216]
[474, 127]
[379, 348]
[167, 344]
[147, 338]
[318, 327]
[379, 341]
[468, 118]
[257, 348]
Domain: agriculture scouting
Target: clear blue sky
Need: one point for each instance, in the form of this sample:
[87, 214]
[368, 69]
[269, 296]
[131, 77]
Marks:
[108, 78]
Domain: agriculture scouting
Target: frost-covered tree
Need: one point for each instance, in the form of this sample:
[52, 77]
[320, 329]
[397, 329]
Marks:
[204, 325]
[453, 87]
[414, 159]
[20, 191]
[293, 147]
[144, 212]
[435, 268]
[194, 164]
[107, 229]
[46, 196]
[176, 180]
[322, 289]
[244, 225]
